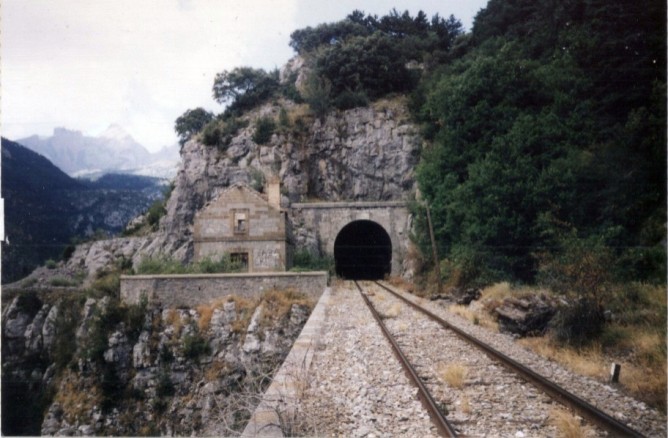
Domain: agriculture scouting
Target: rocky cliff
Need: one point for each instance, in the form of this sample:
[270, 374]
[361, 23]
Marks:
[97, 367]
[363, 154]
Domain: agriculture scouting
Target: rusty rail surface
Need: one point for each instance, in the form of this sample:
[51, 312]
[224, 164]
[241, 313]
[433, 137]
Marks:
[584, 408]
[437, 417]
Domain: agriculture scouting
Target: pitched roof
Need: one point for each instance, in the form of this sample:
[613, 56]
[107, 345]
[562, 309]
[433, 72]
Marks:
[241, 186]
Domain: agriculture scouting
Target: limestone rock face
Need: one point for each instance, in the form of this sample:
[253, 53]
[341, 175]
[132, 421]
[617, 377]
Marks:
[170, 368]
[363, 154]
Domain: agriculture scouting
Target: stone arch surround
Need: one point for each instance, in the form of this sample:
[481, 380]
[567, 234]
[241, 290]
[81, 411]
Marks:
[315, 226]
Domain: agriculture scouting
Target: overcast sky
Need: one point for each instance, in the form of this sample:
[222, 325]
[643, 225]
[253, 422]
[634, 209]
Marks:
[84, 65]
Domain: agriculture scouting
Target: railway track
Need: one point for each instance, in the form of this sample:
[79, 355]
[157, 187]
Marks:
[499, 393]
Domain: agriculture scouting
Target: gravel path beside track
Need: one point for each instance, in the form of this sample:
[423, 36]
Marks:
[358, 389]
[634, 413]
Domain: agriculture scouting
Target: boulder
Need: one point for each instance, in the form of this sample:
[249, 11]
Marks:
[33, 334]
[526, 316]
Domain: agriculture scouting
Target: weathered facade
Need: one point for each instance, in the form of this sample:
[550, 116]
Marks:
[243, 224]
[370, 238]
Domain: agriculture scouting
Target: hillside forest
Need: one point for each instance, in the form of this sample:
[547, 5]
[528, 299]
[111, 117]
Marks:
[544, 127]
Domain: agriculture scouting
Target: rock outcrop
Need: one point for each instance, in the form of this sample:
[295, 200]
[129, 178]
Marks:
[101, 368]
[363, 154]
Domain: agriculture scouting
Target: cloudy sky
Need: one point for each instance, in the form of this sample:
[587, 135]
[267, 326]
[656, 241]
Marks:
[85, 64]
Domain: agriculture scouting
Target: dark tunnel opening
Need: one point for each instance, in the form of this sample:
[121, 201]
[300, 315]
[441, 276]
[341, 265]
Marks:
[363, 251]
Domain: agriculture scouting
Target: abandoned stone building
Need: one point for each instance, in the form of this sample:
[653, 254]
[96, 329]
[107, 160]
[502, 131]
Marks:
[248, 226]
[366, 239]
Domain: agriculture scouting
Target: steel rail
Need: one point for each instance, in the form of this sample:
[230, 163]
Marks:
[437, 417]
[587, 410]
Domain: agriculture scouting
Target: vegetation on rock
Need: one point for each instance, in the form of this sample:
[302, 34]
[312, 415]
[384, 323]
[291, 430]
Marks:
[191, 122]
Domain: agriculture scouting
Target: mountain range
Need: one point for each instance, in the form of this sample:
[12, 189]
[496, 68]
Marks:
[45, 209]
[114, 150]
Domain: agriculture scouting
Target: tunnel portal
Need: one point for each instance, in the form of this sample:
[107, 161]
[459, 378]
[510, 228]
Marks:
[363, 251]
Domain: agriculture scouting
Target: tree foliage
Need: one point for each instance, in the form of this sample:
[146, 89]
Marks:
[264, 129]
[191, 122]
[244, 87]
[534, 131]
[364, 57]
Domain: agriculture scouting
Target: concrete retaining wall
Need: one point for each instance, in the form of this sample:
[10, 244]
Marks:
[194, 289]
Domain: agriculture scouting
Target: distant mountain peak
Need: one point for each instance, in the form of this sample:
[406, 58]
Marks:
[115, 132]
[114, 150]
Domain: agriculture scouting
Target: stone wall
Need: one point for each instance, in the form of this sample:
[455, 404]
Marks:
[239, 221]
[192, 290]
[316, 225]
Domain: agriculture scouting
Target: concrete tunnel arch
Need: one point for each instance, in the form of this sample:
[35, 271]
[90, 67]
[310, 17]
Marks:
[363, 251]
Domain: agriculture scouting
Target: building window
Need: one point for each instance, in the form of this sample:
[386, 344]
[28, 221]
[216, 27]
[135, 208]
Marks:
[240, 222]
[239, 261]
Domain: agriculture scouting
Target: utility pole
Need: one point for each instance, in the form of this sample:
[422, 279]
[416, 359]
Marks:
[433, 248]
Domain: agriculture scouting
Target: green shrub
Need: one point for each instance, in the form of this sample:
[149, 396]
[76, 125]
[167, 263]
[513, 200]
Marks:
[166, 266]
[165, 354]
[29, 303]
[284, 119]
[257, 179]
[221, 265]
[220, 132]
[50, 264]
[62, 282]
[155, 212]
[349, 99]
[160, 265]
[264, 129]
[109, 284]
[67, 321]
[164, 387]
[212, 134]
[134, 316]
[67, 252]
[316, 93]
[578, 324]
[579, 268]
[195, 346]
[112, 388]
[304, 260]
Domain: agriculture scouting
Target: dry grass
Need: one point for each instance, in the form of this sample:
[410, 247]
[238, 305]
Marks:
[76, 402]
[174, 319]
[300, 112]
[465, 404]
[206, 312]
[397, 104]
[483, 319]
[278, 304]
[454, 374]
[642, 379]
[647, 383]
[402, 284]
[587, 362]
[492, 296]
[567, 425]
[391, 311]
[214, 370]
